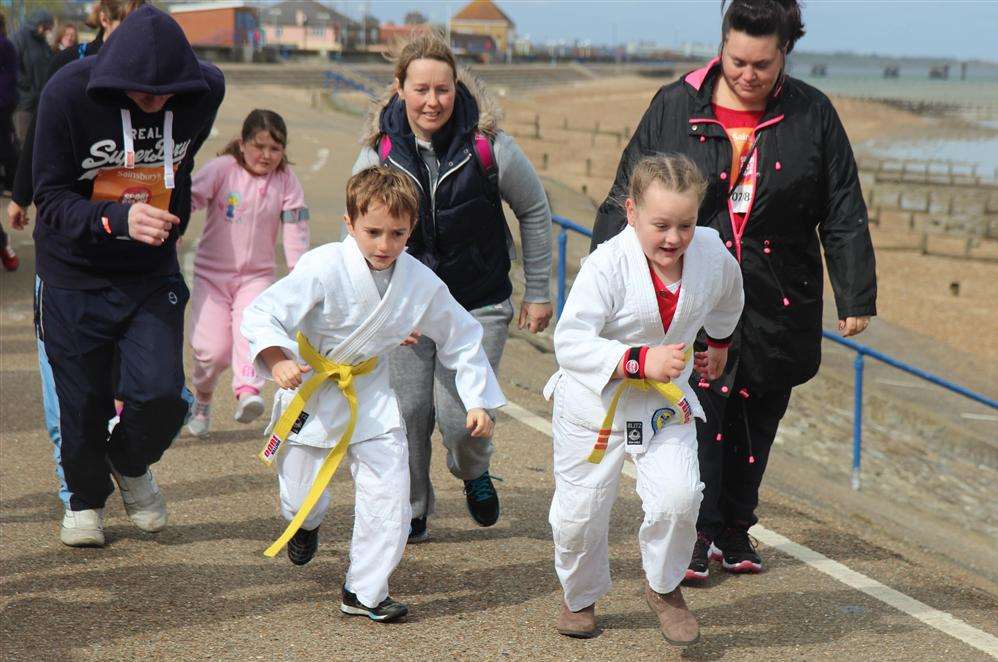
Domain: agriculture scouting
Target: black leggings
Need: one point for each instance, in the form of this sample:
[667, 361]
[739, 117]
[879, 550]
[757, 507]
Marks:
[732, 467]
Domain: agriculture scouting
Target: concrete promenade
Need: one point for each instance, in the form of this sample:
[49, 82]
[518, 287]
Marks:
[837, 586]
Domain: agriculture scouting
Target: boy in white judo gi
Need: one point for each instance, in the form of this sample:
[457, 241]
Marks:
[623, 344]
[323, 334]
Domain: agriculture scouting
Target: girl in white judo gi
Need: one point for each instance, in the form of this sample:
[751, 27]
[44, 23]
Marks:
[350, 304]
[622, 343]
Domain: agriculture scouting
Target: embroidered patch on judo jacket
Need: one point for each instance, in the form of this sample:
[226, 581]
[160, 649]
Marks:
[299, 422]
[635, 434]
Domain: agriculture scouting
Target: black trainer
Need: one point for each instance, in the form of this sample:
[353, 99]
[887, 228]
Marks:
[417, 530]
[483, 502]
[738, 550]
[303, 545]
[388, 610]
[698, 569]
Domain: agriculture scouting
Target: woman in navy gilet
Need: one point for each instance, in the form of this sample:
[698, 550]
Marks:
[440, 127]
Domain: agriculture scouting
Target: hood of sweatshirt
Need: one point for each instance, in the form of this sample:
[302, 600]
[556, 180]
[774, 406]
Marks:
[36, 18]
[149, 52]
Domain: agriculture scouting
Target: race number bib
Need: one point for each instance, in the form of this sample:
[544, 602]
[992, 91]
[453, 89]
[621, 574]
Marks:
[742, 194]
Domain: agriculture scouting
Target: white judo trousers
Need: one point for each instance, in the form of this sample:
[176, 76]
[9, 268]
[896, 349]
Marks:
[668, 483]
[380, 470]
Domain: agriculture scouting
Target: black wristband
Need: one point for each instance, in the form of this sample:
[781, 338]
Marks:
[632, 364]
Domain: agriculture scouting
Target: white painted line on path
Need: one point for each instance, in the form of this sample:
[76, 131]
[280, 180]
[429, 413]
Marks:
[932, 617]
[979, 417]
[940, 620]
[528, 418]
[904, 384]
[320, 159]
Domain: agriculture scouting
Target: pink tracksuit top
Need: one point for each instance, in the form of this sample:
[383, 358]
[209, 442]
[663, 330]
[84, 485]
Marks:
[243, 213]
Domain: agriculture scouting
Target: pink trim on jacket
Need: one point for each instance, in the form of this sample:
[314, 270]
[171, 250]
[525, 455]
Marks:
[755, 195]
[731, 213]
[696, 78]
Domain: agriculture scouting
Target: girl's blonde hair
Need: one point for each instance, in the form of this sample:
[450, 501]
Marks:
[422, 44]
[676, 172]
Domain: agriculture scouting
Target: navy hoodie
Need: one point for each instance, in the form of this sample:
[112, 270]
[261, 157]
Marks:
[84, 186]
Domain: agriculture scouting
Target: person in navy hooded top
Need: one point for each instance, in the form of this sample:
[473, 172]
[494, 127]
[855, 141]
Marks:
[113, 155]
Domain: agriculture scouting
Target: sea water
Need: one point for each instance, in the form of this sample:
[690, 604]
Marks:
[863, 78]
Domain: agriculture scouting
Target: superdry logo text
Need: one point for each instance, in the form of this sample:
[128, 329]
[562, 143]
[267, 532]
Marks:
[105, 154]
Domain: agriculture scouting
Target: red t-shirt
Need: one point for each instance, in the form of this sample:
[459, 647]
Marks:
[666, 309]
[739, 125]
[666, 300]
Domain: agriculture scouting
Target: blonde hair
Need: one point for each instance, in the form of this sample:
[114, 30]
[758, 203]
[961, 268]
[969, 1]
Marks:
[386, 186]
[421, 44]
[676, 172]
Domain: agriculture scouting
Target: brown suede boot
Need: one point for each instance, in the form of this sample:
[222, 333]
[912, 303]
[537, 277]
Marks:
[678, 624]
[580, 624]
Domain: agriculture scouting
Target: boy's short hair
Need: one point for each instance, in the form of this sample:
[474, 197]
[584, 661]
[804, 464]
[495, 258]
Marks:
[386, 186]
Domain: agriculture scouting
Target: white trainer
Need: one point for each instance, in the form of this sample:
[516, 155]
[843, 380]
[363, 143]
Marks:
[82, 528]
[200, 421]
[249, 408]
[144, 502]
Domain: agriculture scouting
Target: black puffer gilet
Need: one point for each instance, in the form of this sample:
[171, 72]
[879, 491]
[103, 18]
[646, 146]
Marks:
[462, 231]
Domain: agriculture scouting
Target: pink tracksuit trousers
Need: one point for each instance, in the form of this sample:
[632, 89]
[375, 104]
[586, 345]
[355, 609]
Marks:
[235, 261]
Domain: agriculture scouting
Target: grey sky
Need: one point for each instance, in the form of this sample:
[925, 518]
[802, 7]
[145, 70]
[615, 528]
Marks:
[962, 29]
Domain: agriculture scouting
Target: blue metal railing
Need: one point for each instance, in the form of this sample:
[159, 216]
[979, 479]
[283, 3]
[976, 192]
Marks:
[335, 81]
[858, 364]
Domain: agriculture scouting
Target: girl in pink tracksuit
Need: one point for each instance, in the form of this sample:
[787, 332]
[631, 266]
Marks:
[249, 192]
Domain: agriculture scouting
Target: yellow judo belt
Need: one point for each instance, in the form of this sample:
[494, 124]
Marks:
[679, 413]
[322, 370]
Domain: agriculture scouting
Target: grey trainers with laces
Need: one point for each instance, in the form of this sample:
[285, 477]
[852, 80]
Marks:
[200, 419]
[144, 502]
[82, 528]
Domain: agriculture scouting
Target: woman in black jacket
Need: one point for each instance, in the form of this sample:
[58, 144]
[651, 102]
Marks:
[782, 176]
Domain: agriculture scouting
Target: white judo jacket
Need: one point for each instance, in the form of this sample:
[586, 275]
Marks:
[331, 297]
[613, 306]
